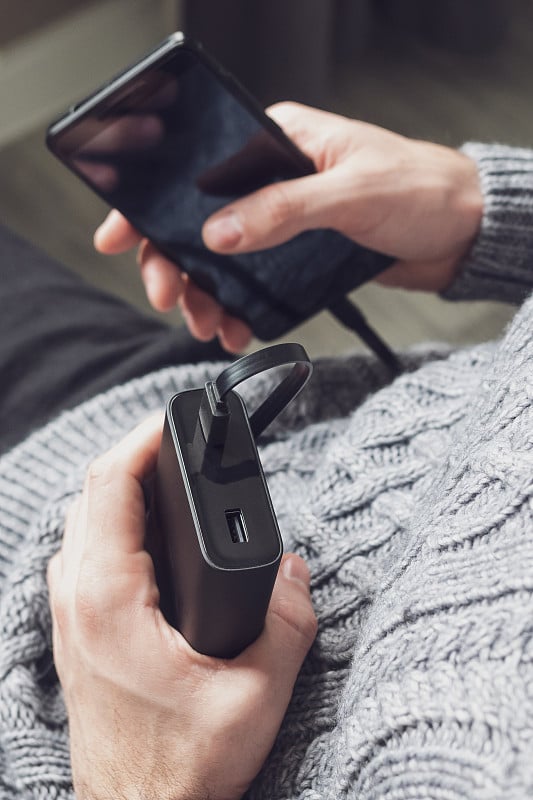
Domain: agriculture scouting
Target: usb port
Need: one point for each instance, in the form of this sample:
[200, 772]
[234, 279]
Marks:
[236, 526]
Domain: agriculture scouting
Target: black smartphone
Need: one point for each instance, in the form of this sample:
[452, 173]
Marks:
[174, 138]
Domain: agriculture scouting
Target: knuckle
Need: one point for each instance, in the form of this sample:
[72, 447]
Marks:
[301, 624]
[91, 606]
[105, 598]
[280, 206]
[60, 604]
[61, 611]
[99, 472]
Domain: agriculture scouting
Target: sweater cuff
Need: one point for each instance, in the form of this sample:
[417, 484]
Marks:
[500, 264]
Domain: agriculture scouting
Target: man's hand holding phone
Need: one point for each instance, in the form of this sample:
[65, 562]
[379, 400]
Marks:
[415, 199]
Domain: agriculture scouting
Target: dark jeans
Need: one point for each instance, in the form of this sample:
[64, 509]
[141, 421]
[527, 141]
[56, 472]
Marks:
[63, 341]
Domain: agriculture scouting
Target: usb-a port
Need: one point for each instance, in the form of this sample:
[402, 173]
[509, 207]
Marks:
[236, 525]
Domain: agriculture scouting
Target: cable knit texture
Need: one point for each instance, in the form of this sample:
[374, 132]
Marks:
[412, 504]
[501, 262]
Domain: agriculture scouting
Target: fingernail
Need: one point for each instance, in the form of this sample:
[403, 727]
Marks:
[296, 569]
[223, 232]
[103, 227]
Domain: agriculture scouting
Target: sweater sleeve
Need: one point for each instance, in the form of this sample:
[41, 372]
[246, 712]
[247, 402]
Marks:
[500, 263]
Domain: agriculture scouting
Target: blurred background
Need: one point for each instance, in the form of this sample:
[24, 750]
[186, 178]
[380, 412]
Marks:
[451, 72]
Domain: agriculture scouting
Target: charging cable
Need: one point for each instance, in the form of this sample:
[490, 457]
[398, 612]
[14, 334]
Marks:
[349, 315]
[214, 413]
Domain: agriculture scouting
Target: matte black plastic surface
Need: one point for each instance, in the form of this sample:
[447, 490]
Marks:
[214, 590]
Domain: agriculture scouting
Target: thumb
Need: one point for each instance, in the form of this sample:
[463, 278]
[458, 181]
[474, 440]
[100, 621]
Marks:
[290, 625]
[270, 216]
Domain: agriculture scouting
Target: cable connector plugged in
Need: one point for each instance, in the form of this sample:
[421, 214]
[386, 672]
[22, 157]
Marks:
[213, 415]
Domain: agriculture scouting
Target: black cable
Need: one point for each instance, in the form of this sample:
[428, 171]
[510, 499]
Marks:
[214, 414]
[351, 317]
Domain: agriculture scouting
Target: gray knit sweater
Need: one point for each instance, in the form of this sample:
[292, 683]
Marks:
[412, 504]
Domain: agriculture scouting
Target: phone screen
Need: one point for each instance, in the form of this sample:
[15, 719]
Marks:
[176, 143]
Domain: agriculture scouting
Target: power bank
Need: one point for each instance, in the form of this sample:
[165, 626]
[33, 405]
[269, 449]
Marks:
[217, 542]
[212, 532]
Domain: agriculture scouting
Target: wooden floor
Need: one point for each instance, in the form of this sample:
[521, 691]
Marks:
[398, 82]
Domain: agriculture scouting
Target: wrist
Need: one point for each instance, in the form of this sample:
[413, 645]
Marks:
[461, 214]
[469, 206]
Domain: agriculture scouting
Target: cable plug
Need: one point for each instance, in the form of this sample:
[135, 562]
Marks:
[213, 416]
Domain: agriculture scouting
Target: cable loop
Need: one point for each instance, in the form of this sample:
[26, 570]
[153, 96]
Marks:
[276, 355]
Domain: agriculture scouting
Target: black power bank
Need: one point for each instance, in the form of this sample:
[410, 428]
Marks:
[212, 534]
